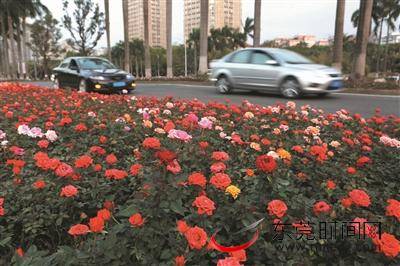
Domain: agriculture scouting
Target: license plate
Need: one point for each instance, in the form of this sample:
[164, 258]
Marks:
[337, 84]
[119, 84]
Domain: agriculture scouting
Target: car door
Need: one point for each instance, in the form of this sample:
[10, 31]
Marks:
[60, 71]
[237, 65]
[72, 74]
[264, 70]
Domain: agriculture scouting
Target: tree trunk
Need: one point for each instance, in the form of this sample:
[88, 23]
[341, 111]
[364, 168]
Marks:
[126, 34]
[107, 11]
[257, 23]
[170, 73]
[19, 49]
[195, 58]
[24, 50]
[378, 52]
[136, 67]
[338, 42]
[386, 46]
[363, 32]
[12, 46]
[147, 59]
[203, 64]
[5, 48]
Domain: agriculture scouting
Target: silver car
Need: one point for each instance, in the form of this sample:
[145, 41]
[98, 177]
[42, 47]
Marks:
[273, 70]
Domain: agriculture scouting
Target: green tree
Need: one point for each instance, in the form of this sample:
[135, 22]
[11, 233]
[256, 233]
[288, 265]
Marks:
[44, 41]
[248, 27]
[86, 25]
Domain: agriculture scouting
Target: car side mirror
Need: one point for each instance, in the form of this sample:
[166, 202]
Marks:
[272, 62]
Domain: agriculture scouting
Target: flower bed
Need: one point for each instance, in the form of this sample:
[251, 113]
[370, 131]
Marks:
[98, 179]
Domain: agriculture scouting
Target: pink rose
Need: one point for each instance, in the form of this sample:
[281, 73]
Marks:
[205, 123]
[179, 134]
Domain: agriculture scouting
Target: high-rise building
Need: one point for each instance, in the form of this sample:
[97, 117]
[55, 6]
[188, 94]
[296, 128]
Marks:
[156, 19]
[221, 13]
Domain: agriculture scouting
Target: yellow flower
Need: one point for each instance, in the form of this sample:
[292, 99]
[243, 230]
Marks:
[284, 154]
[127, 118]
[255, 146]
[147, 123]
[233, 190]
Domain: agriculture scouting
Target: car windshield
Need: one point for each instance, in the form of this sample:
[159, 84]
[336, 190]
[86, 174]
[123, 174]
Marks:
[291, 57]
[94, 63]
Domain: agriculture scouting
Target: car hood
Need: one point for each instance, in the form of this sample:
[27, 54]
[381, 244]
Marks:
[104, 72]
[313, 67]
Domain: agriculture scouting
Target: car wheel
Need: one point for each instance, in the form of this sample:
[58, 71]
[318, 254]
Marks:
[56, 84]
[290, 88]
[82, 86]
[223, 85]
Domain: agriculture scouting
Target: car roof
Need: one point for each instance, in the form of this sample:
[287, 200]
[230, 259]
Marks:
[267, 49]
[80, 57]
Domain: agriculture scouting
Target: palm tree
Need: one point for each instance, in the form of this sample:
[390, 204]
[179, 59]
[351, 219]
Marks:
[203, 64]
[126, 35]
[169, 38]
[3, 22]
[107, 11]
[248, 27]
[10, 23]
[193, 42]
[147, 58]
[338, 40]
[257, 23]
[363, 31]
[392, 8]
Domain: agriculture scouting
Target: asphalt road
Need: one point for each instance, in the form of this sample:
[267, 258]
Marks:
[355, 103]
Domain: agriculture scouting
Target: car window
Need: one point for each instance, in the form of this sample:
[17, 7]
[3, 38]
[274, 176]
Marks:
[65, 63]
[260, 58]
[241, 57]
[94, 63]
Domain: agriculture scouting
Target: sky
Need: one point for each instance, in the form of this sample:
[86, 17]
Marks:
[279, 18]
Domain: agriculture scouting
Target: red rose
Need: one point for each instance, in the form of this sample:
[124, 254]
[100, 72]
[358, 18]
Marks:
[197, 179]
[83, 161]
[151, 143]
[388, 245]
[103, 139]
[64, 170]
[115, 174]
[196, 237]
[182, 226]
[136, 220]
[360, 197]
[330, 184]
[97, 150]
[97, 167]
[229, 261]
[104, 214]
[111, 159]
[174, 167]
[81, 127]
[78, 229]
[108, 204]
[218, 167]
[321, 207]
[39, 184]
[346, 202]
[277, 208]
[69, 191]
[203, 144]
[266, 163]
[393, 209]
[135, 169]
[351, 170]
[220, 156]
[363, 160]
[220, 181]
[204, 205]
[96, 224]
[239, 255]
[165, 156]
[43, 143]
[179, 261]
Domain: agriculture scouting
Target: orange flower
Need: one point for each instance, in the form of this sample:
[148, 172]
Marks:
[104, 214]
[229, 261]
[321, 207]
[220, 181]
[360, 197]
[111, 159]
[197, 179]
[83, 162]
[20, 252]
[196, 237]
[277, 208]
[388, 245]
[135, 169]
[115, 174]
[204, 205]
[180, 261]
[266, 163]
[220, 156]
[182, 226]
[39, 184]
[346, 202]
[330, 184]
[64, 170]
[78, 229]
[151, 143]
[249, 172]
[240, 255]
[96, 224]
[136, 220]
[69, 191]
[393, 209]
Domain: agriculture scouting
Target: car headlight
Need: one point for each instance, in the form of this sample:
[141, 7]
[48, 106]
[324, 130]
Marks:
[98, 78]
